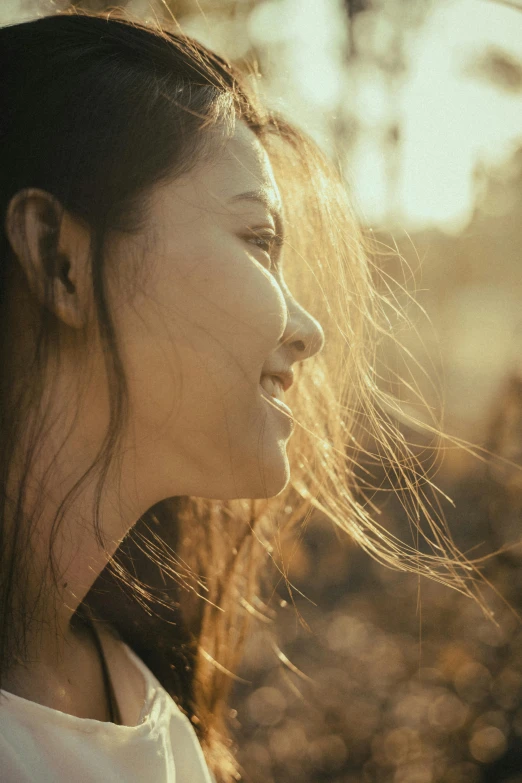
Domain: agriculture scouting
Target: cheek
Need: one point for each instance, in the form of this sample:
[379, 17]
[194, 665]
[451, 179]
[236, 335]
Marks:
[193, 347]
[229, 297]
[201, 329]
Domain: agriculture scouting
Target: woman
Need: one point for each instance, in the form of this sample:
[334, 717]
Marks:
[148, 339]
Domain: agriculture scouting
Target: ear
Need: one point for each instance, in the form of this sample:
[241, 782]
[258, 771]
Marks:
[53, 249]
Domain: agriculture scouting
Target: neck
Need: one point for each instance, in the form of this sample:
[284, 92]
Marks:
[68, 674]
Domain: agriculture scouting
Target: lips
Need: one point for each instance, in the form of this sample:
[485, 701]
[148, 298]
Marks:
[273, 386]
[282, 375]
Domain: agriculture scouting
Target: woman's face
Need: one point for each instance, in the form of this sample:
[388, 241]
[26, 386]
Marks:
[209, 319]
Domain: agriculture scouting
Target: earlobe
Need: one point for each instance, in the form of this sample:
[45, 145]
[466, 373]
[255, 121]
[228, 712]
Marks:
[53, 249]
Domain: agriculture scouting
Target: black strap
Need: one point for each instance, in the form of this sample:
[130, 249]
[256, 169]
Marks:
[114, 710]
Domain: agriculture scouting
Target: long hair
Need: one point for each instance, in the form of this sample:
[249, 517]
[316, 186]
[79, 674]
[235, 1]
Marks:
[96, 110]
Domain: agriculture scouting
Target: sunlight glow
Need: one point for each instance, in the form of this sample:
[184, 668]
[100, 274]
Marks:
[451, 121]
[421, 131]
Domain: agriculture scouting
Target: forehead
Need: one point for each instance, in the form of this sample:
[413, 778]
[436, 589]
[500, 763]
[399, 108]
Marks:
[235, 180]
[242, 165]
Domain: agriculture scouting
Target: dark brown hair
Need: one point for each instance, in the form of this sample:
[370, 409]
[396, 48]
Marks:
[72, 88]
[96, 110]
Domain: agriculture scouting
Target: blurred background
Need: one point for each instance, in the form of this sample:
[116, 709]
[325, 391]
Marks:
[419, 102]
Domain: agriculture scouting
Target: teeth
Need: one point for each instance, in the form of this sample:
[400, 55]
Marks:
[273, 386]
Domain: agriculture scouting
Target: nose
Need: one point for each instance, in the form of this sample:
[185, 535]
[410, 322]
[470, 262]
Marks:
[304, 335]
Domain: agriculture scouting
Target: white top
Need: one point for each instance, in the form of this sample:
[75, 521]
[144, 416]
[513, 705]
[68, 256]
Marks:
[158, 744]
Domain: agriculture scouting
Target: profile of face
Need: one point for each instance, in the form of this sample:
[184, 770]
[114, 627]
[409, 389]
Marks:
[209, 317]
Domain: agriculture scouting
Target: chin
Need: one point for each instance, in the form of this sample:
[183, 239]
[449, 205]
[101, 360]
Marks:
[273, 479]
[270, 491]
[256, 478]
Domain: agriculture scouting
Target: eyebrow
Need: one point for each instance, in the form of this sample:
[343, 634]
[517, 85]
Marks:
[261, 196]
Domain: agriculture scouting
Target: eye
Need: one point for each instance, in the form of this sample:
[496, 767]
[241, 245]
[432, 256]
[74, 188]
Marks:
[268, 242]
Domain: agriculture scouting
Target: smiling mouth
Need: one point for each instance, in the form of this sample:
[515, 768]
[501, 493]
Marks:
[274, 390]
[272, 386]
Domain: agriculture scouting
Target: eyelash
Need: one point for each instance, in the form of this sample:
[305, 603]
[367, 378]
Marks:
[272, 240]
